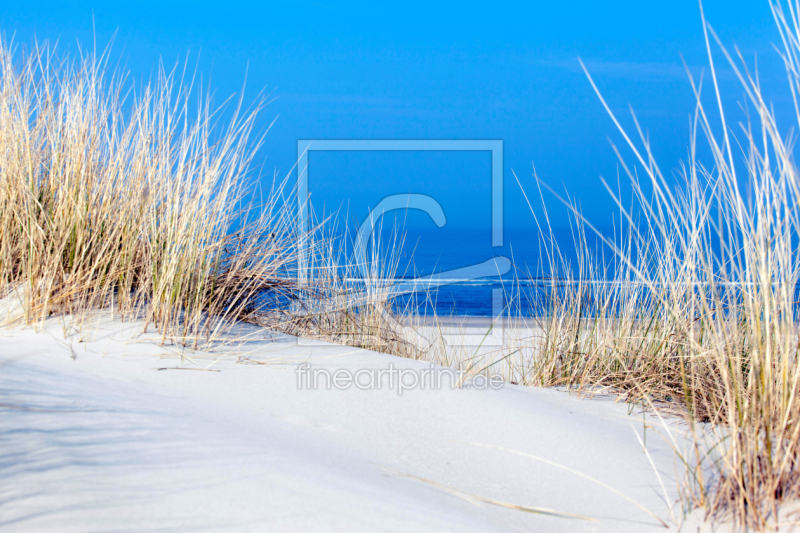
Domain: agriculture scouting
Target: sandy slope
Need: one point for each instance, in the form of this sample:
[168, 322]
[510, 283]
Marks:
[107, 442]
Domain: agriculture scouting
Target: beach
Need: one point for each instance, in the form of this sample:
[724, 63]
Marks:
[107, 430]
[429, 297]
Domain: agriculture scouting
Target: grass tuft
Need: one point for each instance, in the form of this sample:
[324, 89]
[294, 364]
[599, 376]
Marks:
[133, 200]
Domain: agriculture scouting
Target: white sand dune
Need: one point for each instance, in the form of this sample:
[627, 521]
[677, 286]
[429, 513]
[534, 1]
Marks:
[93, 437]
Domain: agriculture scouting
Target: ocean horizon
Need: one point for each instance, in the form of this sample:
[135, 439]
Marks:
[429, 254]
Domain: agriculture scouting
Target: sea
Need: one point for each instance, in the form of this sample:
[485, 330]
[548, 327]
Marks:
[444, 266]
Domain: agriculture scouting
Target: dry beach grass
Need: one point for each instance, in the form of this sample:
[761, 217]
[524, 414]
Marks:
[701, 309]
[130, 201]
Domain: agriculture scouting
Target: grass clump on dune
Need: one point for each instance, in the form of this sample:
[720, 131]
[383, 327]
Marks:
[698, 312]
[142, 200]
[131, 199]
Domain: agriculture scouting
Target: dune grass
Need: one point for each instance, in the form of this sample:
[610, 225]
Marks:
[142, 200]
[347, 295]
[697, 311]
[131, 198]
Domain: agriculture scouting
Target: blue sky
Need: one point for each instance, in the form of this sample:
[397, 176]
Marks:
[415, 70]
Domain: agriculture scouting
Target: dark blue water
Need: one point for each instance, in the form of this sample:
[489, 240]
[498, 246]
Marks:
[527, 289]
[426, 252]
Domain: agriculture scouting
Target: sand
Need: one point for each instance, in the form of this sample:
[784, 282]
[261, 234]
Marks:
[94, 436]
